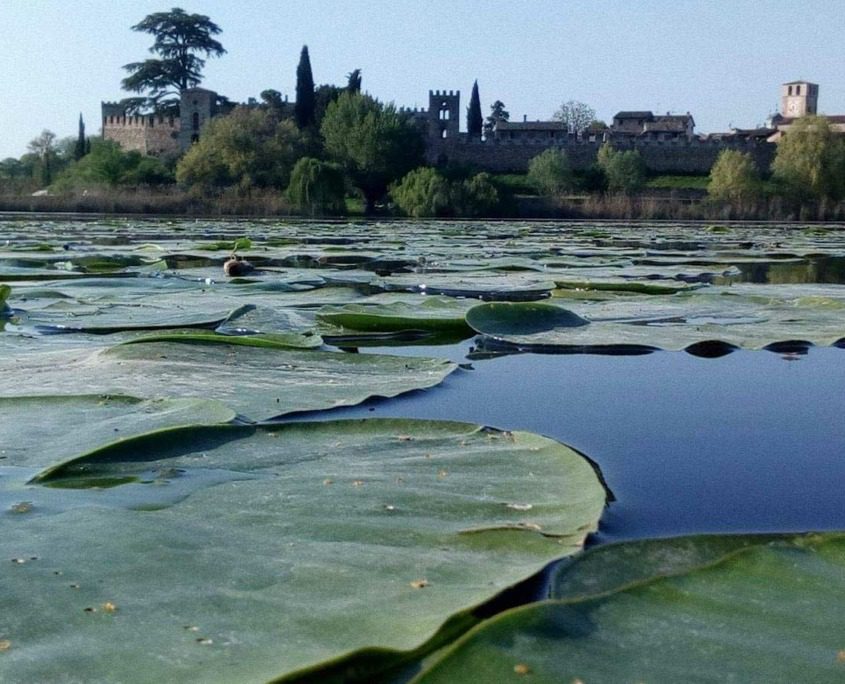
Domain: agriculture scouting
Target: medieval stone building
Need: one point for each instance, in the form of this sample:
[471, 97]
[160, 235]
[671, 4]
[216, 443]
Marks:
[157, 135]
[667, 143]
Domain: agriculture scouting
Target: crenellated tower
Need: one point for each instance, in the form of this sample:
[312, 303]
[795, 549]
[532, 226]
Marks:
[444, 114]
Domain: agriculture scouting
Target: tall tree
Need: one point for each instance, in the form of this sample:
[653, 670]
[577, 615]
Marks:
[578, 116]
[497, 113]
[81, 146]
[353, 81]
[304, 109]
[44, 147]
[474, 118]
[625, 171]
[734, 178]
[810, 160]
[375, 145]
[180, 40]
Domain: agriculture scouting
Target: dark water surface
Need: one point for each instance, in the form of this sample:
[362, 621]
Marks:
[749, 442]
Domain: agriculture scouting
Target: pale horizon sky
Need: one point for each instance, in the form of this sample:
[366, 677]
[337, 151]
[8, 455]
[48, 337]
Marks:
[721, 60]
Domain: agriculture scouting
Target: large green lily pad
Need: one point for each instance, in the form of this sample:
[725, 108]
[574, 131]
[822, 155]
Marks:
[743, 609]
[732, 316]
[257, 382]
[438, 314]
[37, 431]
[316, 540]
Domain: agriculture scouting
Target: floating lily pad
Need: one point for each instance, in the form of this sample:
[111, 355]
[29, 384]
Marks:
[257, 382]
[37, 431]
[269, 340]
[696, 609]
[327, 538]
[733, 317]
[501, 319]
[438, 314]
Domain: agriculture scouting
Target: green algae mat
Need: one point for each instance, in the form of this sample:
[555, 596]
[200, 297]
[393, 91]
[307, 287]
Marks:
[176, 505]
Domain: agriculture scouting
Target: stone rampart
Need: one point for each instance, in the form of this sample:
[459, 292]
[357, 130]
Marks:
[680, 156]
[148, 134]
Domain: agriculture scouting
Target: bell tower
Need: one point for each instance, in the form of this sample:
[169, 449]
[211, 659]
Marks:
[799, 98]
[444, 111]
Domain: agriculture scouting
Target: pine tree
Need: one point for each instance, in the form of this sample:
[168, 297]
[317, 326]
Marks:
[474, 118]
[81, 147]
[304, 108]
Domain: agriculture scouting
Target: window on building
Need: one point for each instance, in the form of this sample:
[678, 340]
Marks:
[195, 121]
[789, 90]
[444, 133]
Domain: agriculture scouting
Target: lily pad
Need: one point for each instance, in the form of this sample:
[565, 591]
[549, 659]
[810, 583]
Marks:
[438, 314]
[500, 319]
[701, 609]
[37, 431]
[257, 382]
[735, 317]
[325, 539]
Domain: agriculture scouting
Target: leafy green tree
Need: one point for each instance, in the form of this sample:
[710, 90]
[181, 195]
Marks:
[272, 100]
[550, 173]
[625, 171]
[353, 81]
[497, 113]
[734, 178]
[474, 118]
[107, 164]
[44, 148]
[324, 95]
[249, 148]
[476, 196]
[317, 188]
[81, 146]
[578, 116]
[180, 40]
[373, 143]
[304, 108]
[810, 160]
[423, 192]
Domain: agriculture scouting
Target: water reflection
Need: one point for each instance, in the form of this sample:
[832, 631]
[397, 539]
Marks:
[738, 442]
[814, 269]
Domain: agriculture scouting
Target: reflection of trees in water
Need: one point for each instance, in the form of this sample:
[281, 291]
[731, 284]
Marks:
[813, 270]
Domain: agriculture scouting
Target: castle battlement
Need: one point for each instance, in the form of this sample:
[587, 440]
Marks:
[141, 121]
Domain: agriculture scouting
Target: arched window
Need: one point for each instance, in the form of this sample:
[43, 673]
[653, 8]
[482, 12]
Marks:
[195, 121]
[444, 133]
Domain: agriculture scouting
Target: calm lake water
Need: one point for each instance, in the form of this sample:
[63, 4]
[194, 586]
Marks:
[749, 442]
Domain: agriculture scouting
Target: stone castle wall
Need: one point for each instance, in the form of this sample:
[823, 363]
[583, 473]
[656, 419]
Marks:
[151, 135]
[660, 156]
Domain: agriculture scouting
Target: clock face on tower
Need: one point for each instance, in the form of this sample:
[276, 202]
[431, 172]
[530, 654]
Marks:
[793, 107]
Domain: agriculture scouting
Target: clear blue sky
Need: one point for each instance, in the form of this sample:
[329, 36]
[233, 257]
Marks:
[721, 60]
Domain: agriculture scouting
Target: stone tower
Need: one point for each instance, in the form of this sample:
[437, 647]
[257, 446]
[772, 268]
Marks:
[798, 98]
[196, 107]
[444, 114]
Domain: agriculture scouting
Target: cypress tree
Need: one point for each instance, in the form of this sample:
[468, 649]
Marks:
[81, 148]
[304, 108]
[474, 118]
